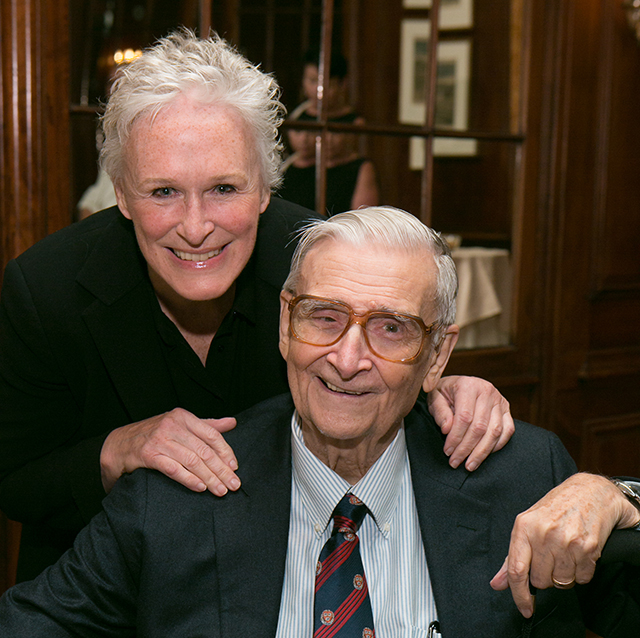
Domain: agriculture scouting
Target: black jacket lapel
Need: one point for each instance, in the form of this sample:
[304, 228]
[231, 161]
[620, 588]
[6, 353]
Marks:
[120, 320]
[251, 530]
[455, 533]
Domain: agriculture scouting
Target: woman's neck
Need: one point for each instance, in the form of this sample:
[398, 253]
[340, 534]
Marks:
[197, 321]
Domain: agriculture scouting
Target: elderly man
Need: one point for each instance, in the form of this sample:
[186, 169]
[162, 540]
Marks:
[366, 322]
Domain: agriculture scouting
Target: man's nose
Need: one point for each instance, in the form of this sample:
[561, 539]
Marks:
[351, 354]
[195, 225]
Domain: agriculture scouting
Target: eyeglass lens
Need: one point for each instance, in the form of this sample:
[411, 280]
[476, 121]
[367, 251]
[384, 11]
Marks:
[323, 323]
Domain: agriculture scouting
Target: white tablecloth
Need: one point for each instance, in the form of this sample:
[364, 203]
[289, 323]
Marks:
[484, 296]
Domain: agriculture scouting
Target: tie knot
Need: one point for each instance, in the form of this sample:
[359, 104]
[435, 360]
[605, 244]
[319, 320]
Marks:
[349, 512]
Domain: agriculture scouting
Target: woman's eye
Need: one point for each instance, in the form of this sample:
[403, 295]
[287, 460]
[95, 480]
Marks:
[223, 189]
[165, 191]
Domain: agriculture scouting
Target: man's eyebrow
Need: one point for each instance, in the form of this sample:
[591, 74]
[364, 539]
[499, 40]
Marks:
[382, 308]
[393, 311]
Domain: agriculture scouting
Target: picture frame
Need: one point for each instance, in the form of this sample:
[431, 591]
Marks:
[454, 14]
[452, 99]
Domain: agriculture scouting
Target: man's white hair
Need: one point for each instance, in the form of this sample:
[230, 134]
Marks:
[390, 228]
[210, 71]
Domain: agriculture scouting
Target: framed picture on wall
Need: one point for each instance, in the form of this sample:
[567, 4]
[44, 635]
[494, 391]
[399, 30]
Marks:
[452, 88]
[454, 14]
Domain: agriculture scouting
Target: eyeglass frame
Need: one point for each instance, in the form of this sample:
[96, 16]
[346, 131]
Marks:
[361, 320]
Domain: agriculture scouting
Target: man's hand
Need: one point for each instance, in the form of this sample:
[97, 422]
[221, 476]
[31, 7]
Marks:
[474, 416]
[561, 537]
[185, 448]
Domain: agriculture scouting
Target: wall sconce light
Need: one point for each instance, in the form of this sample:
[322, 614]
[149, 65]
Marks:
[633, 15]
[126, 56]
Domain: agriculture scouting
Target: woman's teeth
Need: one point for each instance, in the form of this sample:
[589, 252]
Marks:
[196, 257]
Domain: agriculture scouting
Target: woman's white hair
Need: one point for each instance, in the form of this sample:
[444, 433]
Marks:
[211, 71]
[390, 228]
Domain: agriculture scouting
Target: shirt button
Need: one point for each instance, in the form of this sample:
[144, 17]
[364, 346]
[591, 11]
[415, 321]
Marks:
[318, 528]
[386, 527]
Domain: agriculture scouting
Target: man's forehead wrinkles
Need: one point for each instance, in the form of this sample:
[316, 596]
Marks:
[361, 307]
[364, 307]
[380, 282]
[368, 279]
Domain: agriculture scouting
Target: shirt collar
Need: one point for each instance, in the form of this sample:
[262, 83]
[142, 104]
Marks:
[321, 488]
[244, 303]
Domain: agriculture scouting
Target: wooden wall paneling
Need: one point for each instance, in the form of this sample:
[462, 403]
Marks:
[22, 222]
[591, 348]
[609, 397]
[527, 270]
[615, 271]
[615, 264]
[577, 179]
[611, 445]
[611, 430]
[615, 314]
[34, 137]
[609, 362]
[565, 190]
[34, 142]
[491, 65]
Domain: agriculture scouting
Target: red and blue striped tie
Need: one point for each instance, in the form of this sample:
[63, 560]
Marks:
[342, 604]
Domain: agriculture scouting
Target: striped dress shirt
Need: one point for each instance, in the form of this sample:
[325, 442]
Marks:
[390, 542]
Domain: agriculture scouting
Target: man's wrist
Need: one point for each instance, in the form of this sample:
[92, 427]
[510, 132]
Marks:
[630, 488]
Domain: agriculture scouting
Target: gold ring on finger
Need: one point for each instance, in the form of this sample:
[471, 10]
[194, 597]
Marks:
[558, 584]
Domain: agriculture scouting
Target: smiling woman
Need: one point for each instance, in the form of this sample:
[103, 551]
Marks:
[158, 315]
[195, 211]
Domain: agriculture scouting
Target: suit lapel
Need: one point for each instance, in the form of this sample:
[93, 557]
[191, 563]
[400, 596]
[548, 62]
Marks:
[251, 530]
[120, 320]
[456, 534]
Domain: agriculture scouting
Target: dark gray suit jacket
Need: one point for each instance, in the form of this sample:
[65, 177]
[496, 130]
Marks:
[163, 561]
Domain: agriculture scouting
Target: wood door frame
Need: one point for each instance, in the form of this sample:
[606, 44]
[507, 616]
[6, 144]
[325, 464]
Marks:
[34, 152]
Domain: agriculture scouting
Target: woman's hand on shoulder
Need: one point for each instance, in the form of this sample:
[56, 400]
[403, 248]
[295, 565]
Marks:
[187, 449]
[474, 416]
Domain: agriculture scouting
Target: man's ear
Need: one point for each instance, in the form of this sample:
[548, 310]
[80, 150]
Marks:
[441, 358]
[121, 200]
[285, 297]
